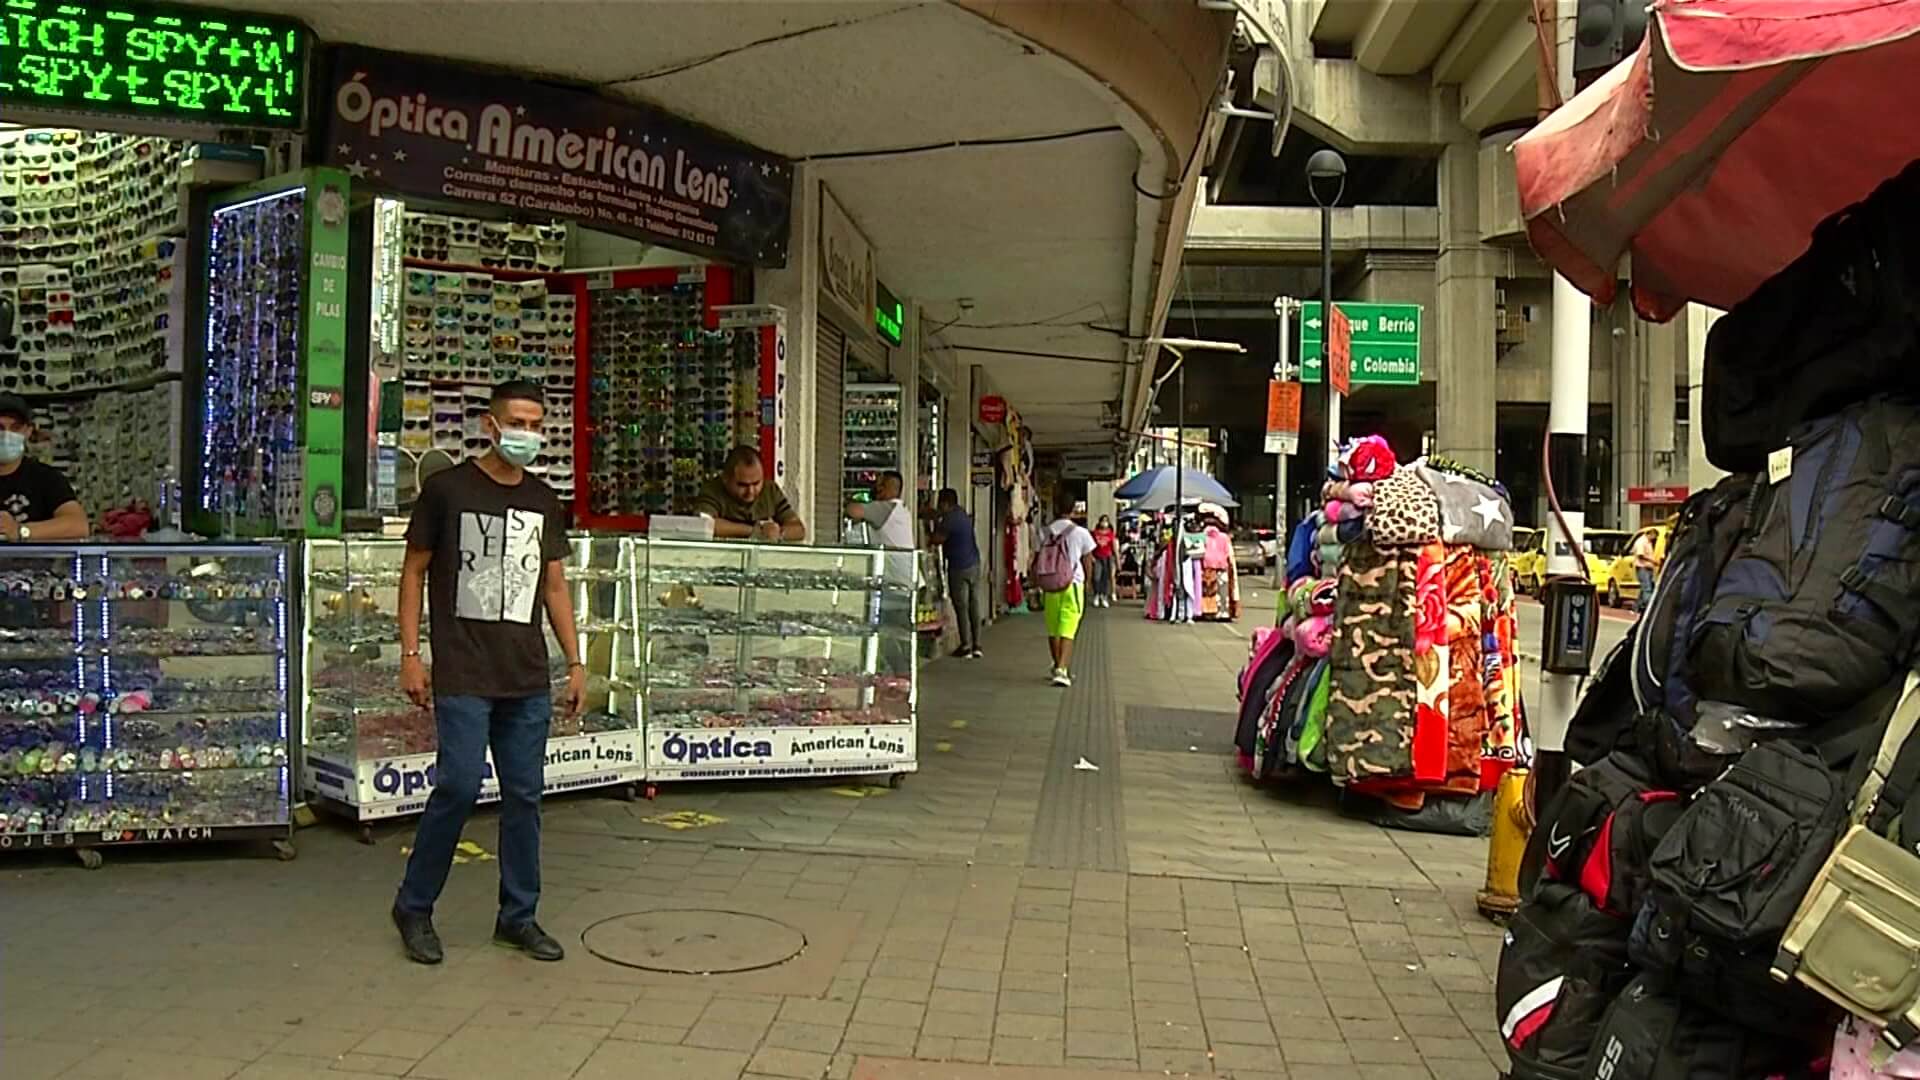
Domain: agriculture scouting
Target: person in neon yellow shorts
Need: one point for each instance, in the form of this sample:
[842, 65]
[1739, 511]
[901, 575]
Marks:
[1064, 606]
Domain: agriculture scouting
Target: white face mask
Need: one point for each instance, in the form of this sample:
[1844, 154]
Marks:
[13, 446]
[519, 447]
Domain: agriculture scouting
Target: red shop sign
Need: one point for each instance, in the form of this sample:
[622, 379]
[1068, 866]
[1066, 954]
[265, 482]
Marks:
[1658, 495]
[993, 409]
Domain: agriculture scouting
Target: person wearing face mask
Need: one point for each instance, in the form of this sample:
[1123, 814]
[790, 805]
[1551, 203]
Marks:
[487, 540]
[37, 504]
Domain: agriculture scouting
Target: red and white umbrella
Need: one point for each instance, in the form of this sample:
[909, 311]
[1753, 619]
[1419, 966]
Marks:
[1712, 152]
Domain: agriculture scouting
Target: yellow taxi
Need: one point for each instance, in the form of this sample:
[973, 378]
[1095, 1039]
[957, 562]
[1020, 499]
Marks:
[1622, 585]
[1528, 548]
[1603, 547]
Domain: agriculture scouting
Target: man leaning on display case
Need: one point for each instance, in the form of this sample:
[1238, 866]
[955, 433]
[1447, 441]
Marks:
[745, 505]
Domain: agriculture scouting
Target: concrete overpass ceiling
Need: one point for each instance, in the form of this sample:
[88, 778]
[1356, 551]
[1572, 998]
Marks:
[1503, 88]
[1404, 37]
[1264, 179]
[1474, 40]
[1040, 236]
[1338, 22]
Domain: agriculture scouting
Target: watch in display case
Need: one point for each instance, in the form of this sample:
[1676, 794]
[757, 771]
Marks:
[144, 696]
[776, 660]
[370, 751]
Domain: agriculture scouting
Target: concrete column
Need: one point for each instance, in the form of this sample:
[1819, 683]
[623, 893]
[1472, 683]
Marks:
[796, 287]
[1464, 393]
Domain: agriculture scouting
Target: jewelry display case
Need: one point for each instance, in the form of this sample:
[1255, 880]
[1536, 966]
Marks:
[144, 695]
[772, 660]
[370, 752]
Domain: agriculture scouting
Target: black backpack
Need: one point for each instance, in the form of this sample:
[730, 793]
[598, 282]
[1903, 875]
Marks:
[1649, 1033]
[1834, 326]
[1797, 600]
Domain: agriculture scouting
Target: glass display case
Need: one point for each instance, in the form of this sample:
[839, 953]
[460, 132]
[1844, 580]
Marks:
[144, 696]
[369, 752]
[772, 660]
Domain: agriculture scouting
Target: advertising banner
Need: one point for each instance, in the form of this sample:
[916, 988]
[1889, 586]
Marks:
[391, 787]
[722, 753]
[419, 126]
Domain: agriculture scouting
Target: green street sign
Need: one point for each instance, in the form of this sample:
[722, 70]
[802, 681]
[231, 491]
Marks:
[1386, 343]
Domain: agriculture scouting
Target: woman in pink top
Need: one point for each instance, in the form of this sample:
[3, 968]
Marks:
[1219, 589]
[1103, 556]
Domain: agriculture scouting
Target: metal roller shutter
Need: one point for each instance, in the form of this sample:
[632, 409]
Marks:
[830, 348]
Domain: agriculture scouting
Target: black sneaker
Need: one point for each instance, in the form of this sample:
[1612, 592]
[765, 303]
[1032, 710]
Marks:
[528, 938]
[418, 937]
[976, 654]
[962, 652]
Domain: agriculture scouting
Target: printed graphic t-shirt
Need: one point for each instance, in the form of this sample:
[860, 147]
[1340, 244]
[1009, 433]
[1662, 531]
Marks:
[487, 611]
[34, 491]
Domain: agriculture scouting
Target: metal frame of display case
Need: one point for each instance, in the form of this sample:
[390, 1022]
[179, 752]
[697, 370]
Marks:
[129, 728]
[348, 635]
[718, 750]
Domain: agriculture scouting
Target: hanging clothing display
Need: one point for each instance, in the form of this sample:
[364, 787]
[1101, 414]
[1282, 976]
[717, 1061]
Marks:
[1392, 670]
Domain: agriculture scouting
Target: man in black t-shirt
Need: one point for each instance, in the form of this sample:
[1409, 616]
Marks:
[488, 542]
[36, 501]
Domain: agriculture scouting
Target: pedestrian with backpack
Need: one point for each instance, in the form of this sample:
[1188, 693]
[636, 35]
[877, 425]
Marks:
[1061, 569]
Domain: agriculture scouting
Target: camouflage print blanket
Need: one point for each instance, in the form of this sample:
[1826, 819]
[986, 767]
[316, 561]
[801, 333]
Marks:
[1370, 707]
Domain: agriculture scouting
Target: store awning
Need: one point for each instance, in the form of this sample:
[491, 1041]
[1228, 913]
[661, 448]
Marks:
[1711, 153]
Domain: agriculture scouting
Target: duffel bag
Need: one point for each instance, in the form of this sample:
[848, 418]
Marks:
[1649, 1033]
[1562, 962]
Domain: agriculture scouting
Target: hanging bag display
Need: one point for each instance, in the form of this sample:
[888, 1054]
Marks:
[1855, 938]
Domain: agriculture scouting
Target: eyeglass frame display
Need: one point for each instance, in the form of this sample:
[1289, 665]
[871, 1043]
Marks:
[364, 786]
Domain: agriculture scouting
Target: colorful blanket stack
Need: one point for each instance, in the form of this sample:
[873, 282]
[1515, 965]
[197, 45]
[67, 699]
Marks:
[1394, 673]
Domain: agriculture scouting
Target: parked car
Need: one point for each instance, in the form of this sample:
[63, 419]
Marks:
[1622, 585]
[1255, 549]
[1529, 558]
[1525, 546]
[1602, 547]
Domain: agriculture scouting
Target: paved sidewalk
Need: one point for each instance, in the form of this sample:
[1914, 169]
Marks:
[1002, 916]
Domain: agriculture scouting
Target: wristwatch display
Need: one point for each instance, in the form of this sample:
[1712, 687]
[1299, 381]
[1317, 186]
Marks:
[144, 696]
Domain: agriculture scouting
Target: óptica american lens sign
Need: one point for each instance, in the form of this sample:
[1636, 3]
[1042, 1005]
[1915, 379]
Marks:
[165, 61]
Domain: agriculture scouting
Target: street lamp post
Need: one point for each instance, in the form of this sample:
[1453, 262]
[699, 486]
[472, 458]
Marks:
[1326, 182]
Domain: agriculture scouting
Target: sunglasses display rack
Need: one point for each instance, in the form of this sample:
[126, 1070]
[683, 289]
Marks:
[116, 446]
[88, 241]
[370, 751]
[772, 660]
[465, 333]
[872, 436]
[144, 696]
[493, 245]
[663, 397]
[249, 444]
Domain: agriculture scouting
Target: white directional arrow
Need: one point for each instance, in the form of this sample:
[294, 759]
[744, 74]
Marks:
[1313, 324]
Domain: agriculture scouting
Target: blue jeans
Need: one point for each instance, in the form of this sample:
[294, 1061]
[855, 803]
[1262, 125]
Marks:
[517, 730]
[1645, 577]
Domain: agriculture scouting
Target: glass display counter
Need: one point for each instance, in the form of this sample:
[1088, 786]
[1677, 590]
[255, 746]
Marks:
[144, 696]
[773, 660]
[370, 752]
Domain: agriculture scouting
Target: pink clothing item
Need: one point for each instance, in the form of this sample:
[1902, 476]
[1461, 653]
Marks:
[1430, 599]
[1852, 1055]
[1219, 553]
[1314, 636]
[1360, 494]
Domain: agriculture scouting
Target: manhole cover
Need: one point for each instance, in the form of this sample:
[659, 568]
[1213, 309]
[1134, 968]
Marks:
[690, 942]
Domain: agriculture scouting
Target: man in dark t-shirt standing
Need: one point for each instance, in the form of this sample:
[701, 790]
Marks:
[488, 541]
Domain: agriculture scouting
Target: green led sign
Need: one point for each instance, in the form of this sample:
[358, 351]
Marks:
[889, 314]
[153, 60]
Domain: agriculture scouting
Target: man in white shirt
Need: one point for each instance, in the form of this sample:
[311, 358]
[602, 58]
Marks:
[1064, 606]
[892, 527]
